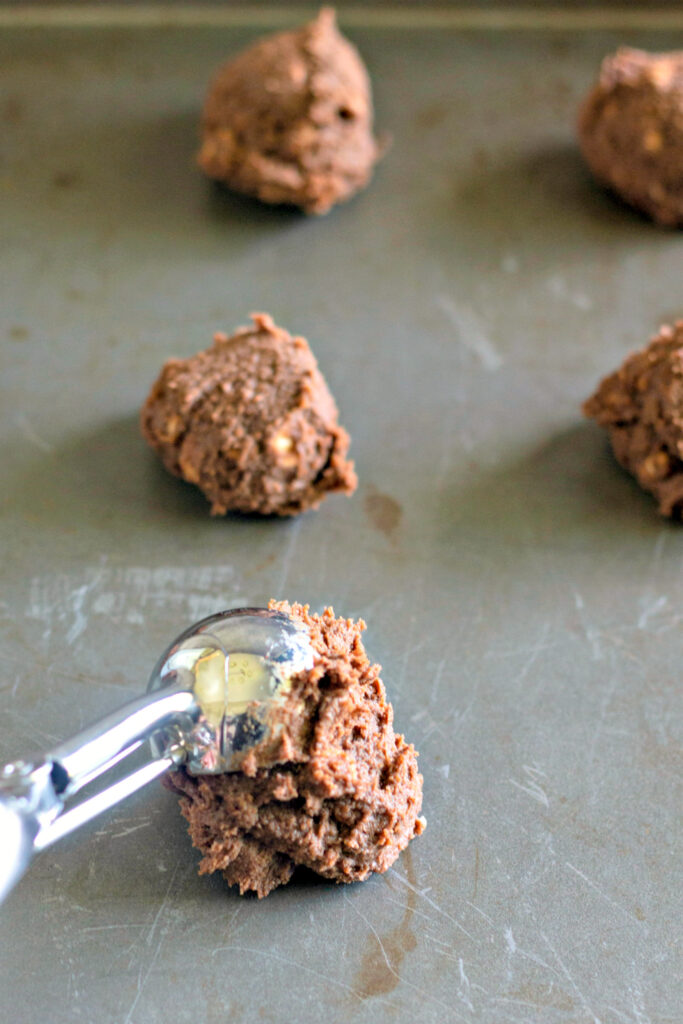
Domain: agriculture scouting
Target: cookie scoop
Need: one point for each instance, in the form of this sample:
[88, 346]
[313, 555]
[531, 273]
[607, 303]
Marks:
[212, 698]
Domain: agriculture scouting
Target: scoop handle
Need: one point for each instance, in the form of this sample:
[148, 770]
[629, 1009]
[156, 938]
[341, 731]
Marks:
[28, 801]
[34, 797]
[18, 832]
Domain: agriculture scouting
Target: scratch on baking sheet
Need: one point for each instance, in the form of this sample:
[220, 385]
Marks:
[534, 959]
[422, 894]
[481, 912]
[511, 950]
[438, 941]
[379, 941]
[162, 906]
[464, 986]
[565, 971]
[446, 953]
[228, 927]
[651, 609]
[26, 728]
[437, 679]
[603, 895]
[407, 651]
[109, 927]
[142, 981]
[507, 1000]
[558, 287]
[270, 955]
[287, 557]
[126, 831]
[592, 635]
[638, 1007]
[475, 881]
[673, 623]
[599, 726]
[404, 906]
[516, 651]
[80, 620]
[31, 435]
[123, 595]
[461, 718]
[432, 726]
[458, 960]
[620, 647]
[414, 648]
[534, 652]
[391, 969]
[470, 332]
[531, 785]
[542, 862]
[620, 1014]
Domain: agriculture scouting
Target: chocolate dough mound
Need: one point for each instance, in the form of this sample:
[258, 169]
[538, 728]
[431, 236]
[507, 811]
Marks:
[290, 119]
[346, 795]
[641, 405]
[251, 422]
[631, 131]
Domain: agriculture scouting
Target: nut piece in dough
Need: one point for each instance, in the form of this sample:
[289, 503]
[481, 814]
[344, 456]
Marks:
[251, 422]
[290, 119]
[641, 405]
[631, 131]
[345, 796]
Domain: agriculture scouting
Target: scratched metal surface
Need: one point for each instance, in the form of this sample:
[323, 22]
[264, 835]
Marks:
[521, 593]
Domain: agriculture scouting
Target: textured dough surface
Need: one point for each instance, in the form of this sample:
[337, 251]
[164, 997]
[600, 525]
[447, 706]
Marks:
[345, 795]
[641, 406]
[251, 422]
[290, 119]
[631, 131]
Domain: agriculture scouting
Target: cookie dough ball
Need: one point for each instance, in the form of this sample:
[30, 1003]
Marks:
[251, 422]
[290, 119]
[641, 406]
[631, 131]
[345, 798]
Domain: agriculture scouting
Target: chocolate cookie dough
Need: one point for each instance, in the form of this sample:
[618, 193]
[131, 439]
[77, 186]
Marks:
[641, 405]
[251, 422]
[290, 119]
[631, 131]
[344, 797]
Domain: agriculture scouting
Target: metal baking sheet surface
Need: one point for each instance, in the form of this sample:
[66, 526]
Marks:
[521, 593]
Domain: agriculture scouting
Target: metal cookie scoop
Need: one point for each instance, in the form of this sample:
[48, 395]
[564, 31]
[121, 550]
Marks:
[209, 700]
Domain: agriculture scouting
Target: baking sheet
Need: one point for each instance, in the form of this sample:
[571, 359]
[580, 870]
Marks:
[521, 594]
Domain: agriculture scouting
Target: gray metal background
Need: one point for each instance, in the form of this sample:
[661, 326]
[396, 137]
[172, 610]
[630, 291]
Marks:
[522, 595]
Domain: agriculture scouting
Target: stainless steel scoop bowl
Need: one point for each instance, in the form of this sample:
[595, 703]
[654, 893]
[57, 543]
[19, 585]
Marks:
[209, 700]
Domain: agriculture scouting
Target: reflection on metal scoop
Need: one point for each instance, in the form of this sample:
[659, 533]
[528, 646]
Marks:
[209, 701]
[237, 664]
